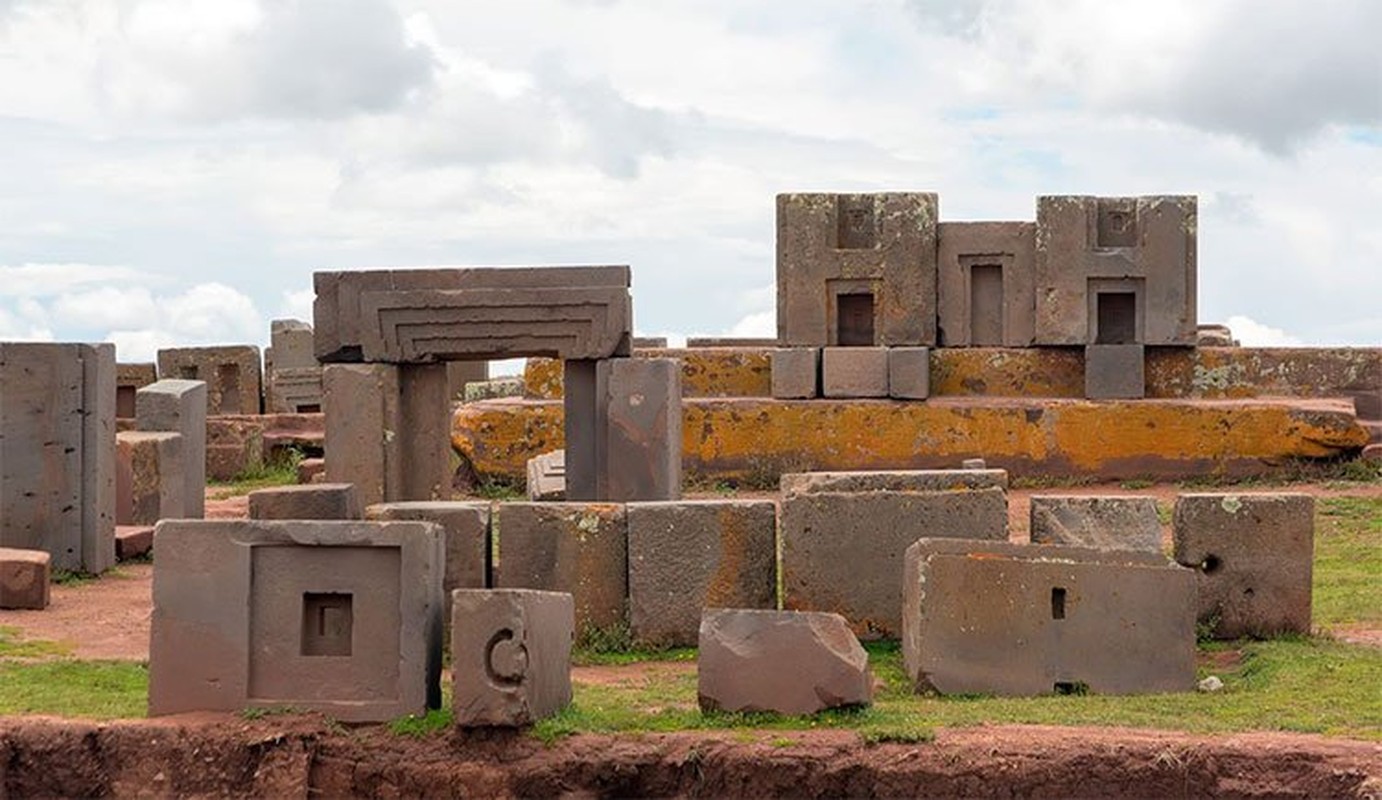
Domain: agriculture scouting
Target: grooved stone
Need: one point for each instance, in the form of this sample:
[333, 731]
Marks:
[24, 578]
[972, 311]
[790, 662]
[1102, 523]
[547, 476]
[1254, 554]
[510, 655]
[691, 555]
[796, 373]
[309, 501]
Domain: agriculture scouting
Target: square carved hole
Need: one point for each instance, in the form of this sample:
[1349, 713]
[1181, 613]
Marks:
[328, 624]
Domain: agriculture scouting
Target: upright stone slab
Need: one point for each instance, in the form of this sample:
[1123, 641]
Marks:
[998, 618]
[788, 662]
[466, 527]
[842, 552]
[985, 284]
[856, 269]
[310, 501]
[854, 372]
[24, 576]
[1101, 522]
[697, 554]
[179, 406]
[585, 410]
[796, 373]
[130, 378]
[362, 418]
[291, 344]
[510, 655]
[580, 548]
[904, 480]
[641, 457]
[57, 452]
[1115, 372]
[338, 617]
[232, 374]
[150, 478]
[1254, 554]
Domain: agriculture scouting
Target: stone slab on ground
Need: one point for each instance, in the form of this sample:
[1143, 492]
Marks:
[1102, 522]
[306, 501]
[24, 576]
[789, 662]
[510, 655]
[902, 480]
[133, 541]
[1255, 556]
[1005, 619]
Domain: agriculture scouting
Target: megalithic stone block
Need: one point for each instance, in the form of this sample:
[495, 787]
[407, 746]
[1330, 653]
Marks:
[466, 528]
[789, 662]
[510, 655]
[24, 578]
[233, 375]
[338, 617]
[547, 476]
[1100, 522]
[98, 456]
[909, 373]
[986, 294]
[361, 403]
[150, 480]
[854, 372]
[585, 408]
[1254, 554]
[906, 480]
[1115, 372]
[641, 457]
[294, 390]
[292, 342]
[998, 618]
[130, 378]
[179, 406]
[310, 501]
[796, 373]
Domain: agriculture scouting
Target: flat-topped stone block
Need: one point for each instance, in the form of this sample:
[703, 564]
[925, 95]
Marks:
[985, 284]
[510, 655]
[854, 372]
[1115, 372]
[788, 662]
[998, 618]
[179, 406]
[24, 578]
[1102, 523]
[1255, 556]
[232, 374]
[640, 457]
[130, 378]
[150, 484]
[308, 501]
[909, 373]
[695, 554]
[796, 373]
[338, 617]
[466, 529]
[133, 541]
[902, 480]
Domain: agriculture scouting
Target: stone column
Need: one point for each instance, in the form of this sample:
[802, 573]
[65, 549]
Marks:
[361, 403]
[640, 456]
[584, 423]
[179, 406]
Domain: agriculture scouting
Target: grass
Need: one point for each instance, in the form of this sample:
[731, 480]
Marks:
[12, 645]
[1348, 561]
[1333, 473]
[283, 471]
[498, 489]
[68, 688]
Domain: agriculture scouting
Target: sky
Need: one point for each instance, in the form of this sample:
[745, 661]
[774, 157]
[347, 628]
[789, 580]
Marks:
[173, 171]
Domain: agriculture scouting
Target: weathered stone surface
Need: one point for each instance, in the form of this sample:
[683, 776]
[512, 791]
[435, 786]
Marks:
[24, 578]
[790, 662]
[705, 372]
[133, 541]
[650, 342]
[641, 456]
[179, 406]
[1254, 554]
[547, 476]
[985, 280]
[290, 343]
[466, 529]
[796, 373]
[909, 373]
[130, 378]
[974, 463]
[856, 269]
[232, 375]
[510, 655]
[497, 387]
[998, 618]
[1115, 372]
[1140, 251]
[729, 341]
[294, 390]
[413, 316]
[580, 548]
[915, 480]
[312, 470]
[338, 617]
[1210, 335]
[362, 418]
[842, 552]
[1101, 523]
[311, 501]
[854, 372]
[697, 554]
[57, 463]
[150, 482]
[234, 445]
[585, 416]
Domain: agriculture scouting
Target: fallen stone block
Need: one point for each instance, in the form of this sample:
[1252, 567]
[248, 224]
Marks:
[24, 578]
[1102, 523]
[547, 476]
[1254, 554]
[309, 470]
[510, 655]
[133, 541]
[691, 555]
[854, 372]
[1005, 619]
[310, 501]
[913, 480]
[789, 662]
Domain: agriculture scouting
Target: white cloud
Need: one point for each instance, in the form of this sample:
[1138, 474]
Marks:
[1251, 333]
[46, 280]
[107, 307]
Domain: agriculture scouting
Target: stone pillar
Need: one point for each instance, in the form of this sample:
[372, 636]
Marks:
[423, 434]
[98, 456]
[179, 406]
[641, 454]
[362, 423]
[584, 423]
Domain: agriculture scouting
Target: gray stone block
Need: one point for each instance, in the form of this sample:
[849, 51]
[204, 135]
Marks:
[338, 617]
[130, 378]
[291, 341]
[1102, 523]
[547, 476]
[697, 554]
[24, 578]
[909, 373]
[294, 390]
[730, 341]
[788, 662]
[1115, 372]
[361, 404]
[580, 548]
[641, 457]
[466, 527]
[179, 406]
[309, 501]
[906, 480]
[150, 483]
[856, 269]
[584, 407]
[854, 372]
[510, 655]
[986, 293]
[232, 374]
[842, 552]
[796, 373]
[1254, 554]
[998, 618]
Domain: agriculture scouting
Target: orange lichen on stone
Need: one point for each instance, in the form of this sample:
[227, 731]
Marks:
[705, 372]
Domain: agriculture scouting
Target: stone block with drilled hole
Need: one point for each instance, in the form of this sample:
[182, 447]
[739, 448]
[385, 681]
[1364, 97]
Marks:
[306, 501]
[1255, 556]
[510, 655]
[1100, 522]
[854, 372]
[796, 373]
[24, 578]
[696, 554]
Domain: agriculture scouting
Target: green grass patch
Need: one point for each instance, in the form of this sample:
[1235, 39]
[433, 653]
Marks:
[1348, 561]
[282, 471]
[67, 688]
[435, 721]
[499, 489]
[13, 645]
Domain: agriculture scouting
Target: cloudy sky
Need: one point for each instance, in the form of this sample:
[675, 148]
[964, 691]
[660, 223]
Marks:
[172, 171]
